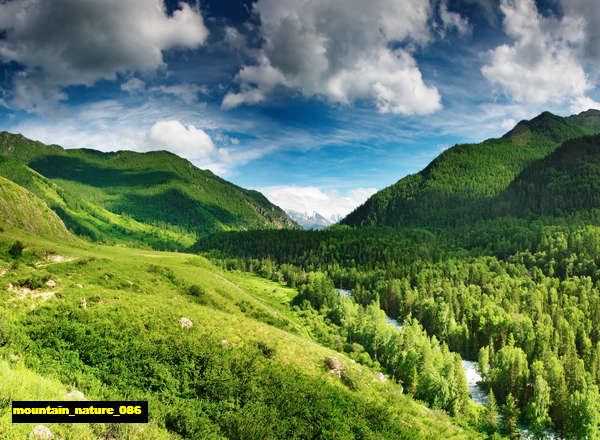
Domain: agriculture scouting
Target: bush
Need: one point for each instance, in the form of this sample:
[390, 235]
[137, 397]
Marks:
[16, 250]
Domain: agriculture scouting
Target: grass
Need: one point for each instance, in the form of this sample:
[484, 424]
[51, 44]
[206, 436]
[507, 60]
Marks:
[246, 369]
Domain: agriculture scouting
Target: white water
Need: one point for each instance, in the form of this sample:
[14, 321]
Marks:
[478, 394]
[390, 321]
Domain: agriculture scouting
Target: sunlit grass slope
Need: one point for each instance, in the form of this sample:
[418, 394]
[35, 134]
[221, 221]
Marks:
[104, 321]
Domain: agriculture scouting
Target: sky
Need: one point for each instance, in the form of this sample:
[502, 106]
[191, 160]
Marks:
[316, 103]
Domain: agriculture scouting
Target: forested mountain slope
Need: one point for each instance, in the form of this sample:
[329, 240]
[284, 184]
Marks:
[459, 183]
[565, 182]
[156, 189]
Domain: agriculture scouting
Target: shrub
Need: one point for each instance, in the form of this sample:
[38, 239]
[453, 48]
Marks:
[16, 250]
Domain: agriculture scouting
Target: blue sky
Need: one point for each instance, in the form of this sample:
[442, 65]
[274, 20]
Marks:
[317, 103]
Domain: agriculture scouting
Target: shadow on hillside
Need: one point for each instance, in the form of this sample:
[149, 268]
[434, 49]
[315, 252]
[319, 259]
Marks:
[76, 169]
[174, 207]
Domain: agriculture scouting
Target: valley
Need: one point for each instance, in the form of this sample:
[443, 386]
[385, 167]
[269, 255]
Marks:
[252, 328]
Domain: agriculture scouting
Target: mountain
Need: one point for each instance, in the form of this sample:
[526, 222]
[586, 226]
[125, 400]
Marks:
[156, 195]
[460, 183]
[565, 182]
[310, 221]
[21, 209]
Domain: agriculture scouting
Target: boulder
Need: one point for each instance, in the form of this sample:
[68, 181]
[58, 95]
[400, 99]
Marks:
[334, 366]
[185, 322]
[40, 432]
[51, 283]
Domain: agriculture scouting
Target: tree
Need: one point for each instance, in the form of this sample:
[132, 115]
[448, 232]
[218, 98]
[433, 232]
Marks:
[491, 413]
[538, 408]
[510, 418]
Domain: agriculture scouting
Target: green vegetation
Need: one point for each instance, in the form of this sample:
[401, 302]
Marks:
[460, 183]
[249, 367]
[156, 199]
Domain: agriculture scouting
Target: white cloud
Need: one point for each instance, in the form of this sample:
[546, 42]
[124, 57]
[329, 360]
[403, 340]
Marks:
[189, 142]
[74, 42]
[542, 65]
[188, 93]
[342, 52]
[508, 124]
[133, 85]
[309, 199]
[452, 20]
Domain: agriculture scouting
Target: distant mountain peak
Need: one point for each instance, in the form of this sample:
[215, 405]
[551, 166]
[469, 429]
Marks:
[312, 220]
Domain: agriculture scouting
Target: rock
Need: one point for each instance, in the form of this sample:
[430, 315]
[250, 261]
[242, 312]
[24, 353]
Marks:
[40, 432]
[13, 358]
[77, 395]
[83, 303]
[334, 366]
[129, 282]
[224, 342]
[185, 322]
[51, 283]
[381, 377]
[79, 285]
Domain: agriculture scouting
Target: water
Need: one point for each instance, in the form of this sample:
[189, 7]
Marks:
[344, 292]
[390, 321]
[478, 394]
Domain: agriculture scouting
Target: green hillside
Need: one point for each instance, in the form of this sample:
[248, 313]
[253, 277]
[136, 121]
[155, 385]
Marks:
[157, 190]
[565, 182]
[103, 322]
[459, 183]
[22, 209]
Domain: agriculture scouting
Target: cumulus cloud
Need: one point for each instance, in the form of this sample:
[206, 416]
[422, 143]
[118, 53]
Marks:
[542, 64]
[190, 142]
[588, 12]
[342, 51]
[309, 199]
[73, 42]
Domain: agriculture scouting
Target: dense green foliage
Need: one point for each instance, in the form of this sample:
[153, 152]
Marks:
[248, 368]
[565, 182]
[460, 183]
[521, 297]
[108, 196]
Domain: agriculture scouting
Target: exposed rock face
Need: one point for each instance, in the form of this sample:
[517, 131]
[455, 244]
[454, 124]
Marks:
[40, 432]
[185, 322]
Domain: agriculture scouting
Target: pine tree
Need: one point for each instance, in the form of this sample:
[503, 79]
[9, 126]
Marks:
[510, 418]
[538, 407]
[491, 413]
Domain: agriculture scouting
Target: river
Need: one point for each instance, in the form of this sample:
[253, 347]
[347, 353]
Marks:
[478, 393]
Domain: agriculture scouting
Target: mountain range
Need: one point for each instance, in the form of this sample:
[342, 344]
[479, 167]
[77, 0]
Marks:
[312, 220]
